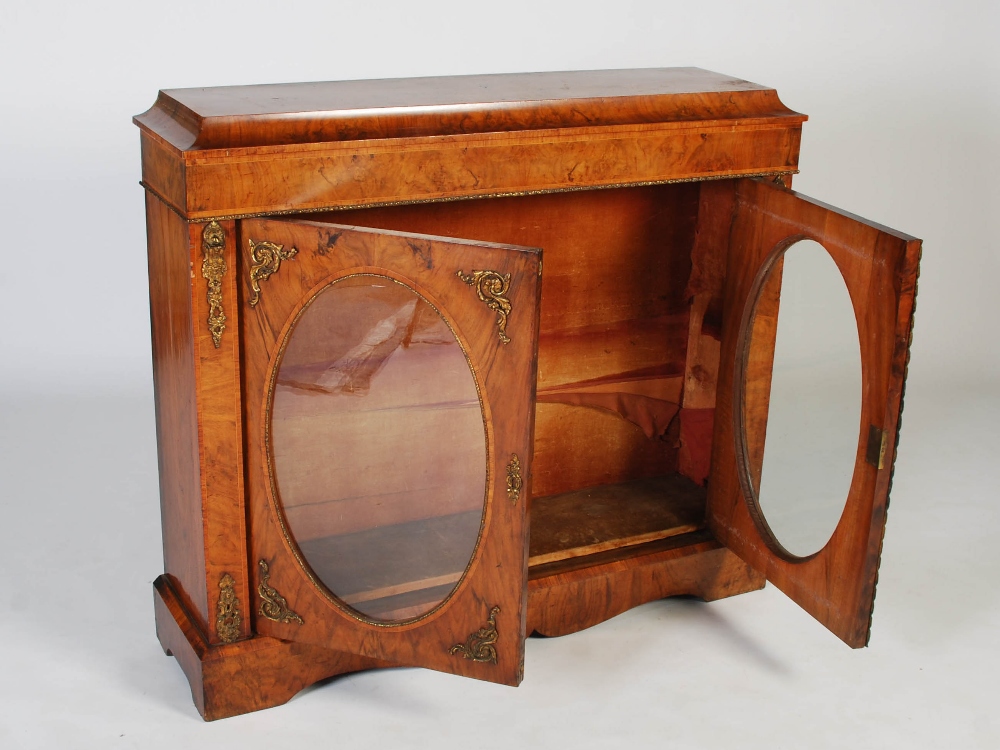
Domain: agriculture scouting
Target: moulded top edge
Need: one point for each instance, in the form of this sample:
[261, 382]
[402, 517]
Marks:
[284, 114]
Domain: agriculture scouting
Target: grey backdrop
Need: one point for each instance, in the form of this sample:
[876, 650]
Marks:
[903, 100]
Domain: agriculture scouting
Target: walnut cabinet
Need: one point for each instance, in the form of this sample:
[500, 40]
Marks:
[441, 363]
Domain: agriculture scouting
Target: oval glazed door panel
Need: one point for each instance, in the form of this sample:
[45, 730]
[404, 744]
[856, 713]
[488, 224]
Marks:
[798, 463]
[835, 584]
[389, 384]
[378, 444]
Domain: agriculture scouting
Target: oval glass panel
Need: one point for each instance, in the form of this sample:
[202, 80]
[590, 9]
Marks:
[379, 448]
[801, 419]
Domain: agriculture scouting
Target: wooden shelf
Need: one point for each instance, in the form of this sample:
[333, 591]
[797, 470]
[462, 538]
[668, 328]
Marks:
[614, 516]
[405, 580]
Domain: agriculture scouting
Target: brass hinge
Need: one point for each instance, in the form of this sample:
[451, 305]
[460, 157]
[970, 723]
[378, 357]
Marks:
[875, 453]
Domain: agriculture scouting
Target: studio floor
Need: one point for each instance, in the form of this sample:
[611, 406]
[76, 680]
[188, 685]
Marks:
[83, 669]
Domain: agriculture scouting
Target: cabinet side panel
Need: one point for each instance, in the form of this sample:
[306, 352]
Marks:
[704, 293]
[174, 384]
[163, 170]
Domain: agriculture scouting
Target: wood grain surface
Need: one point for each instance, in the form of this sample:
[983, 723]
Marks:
[571, 595]
[616, 391]
[614, 319]
[879, 265]
[505, 375]
[598, 519]
[175, 393]
[199, 416]
[249, 675]
[237, 151]
[704, 295]
[282, 114]
[220, 426]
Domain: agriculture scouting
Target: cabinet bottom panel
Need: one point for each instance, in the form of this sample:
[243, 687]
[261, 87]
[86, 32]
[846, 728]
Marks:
[613, 516]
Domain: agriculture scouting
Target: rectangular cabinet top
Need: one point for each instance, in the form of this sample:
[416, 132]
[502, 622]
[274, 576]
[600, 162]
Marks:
[284, 114]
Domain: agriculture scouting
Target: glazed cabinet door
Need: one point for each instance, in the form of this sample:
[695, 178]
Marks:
[875, 270]
[389, 399]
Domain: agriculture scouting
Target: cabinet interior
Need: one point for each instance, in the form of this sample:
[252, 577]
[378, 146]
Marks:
[630, 324]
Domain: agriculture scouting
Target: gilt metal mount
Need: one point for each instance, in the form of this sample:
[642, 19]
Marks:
[481, 645]
[514, 481]
[227, 621]
[492, 289]
[273, 605]
[213, 268]
[266, 257]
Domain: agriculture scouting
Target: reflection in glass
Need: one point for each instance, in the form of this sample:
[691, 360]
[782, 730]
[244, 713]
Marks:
[379, 448]
[802, 419]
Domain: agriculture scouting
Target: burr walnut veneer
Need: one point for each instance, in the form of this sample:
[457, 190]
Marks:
[390, 436]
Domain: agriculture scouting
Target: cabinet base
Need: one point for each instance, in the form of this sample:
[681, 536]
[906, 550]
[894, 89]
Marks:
[564, 597]
[248, 675]
[571, 595]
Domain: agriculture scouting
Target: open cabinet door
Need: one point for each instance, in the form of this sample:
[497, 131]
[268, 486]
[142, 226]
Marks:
[836, 585]
[390, 385]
